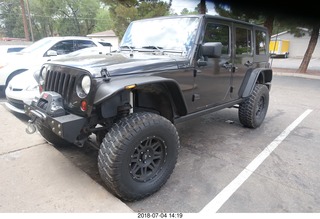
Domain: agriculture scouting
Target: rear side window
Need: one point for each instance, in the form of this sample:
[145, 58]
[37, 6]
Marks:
[243, 41]
[261, 45]
[82, 44]
[16, 49]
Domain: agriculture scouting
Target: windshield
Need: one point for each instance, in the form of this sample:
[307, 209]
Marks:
[172, 34]
[35, 46]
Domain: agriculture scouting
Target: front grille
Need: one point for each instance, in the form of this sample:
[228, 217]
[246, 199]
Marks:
[60, 82]
[64, 81]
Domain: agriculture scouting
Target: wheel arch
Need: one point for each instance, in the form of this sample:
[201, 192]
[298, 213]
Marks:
[14, 73]
[255, 76]
[149, 93]
[164, 97]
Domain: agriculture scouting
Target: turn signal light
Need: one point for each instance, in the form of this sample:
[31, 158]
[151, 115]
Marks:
[84, 105]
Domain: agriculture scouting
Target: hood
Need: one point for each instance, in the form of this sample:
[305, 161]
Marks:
[22, 60]
[120, 63]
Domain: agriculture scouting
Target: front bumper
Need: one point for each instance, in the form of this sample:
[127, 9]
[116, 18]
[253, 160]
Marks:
[15, 105]
[49, 111]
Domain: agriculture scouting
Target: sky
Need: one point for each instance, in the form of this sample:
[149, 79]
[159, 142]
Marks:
[178, 5]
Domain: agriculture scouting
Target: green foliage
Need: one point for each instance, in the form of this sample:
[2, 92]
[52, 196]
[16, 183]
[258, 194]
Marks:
[50, 17]
[10, 19]
[103, 20]
[77, 17]
[185, 11]
[239, 13]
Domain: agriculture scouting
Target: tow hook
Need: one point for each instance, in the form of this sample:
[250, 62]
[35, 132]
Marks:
[31, 128]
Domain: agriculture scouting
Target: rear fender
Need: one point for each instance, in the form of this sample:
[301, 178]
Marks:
[255, 76]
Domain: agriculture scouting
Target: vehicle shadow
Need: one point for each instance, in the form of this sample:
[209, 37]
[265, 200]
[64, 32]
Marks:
[85, 158]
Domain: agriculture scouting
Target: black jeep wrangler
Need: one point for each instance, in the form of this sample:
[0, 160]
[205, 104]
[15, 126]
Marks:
[167, 70]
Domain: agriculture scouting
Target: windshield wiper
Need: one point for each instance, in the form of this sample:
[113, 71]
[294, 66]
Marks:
[161, 50]
[154, 47]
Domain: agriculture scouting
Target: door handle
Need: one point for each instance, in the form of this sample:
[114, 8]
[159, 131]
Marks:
[230, 67]
[248, 63]
[227, 65]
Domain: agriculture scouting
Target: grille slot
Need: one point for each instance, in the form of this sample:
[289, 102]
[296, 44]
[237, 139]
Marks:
[60, 82]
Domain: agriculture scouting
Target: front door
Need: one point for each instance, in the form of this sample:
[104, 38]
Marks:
[212, 82]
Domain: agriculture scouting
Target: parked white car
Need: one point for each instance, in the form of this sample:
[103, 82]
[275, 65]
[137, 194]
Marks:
[40, 52]
[23, 88]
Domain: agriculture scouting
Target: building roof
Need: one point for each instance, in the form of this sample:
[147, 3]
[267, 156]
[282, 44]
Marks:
[107, 33]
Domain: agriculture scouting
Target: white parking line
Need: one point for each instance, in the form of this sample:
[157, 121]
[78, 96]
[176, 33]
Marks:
[215, 204]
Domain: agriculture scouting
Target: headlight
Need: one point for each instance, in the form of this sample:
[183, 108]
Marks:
[42, 75]
[86, 84]
[84, 87]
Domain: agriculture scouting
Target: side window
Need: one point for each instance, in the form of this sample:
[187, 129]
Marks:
[63, 47]
[243, 41]
[16, 49]
[82, 44]
[261, 45]
[218, 33]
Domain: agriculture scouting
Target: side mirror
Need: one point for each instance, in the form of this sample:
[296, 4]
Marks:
[52, 53]
[212, 49]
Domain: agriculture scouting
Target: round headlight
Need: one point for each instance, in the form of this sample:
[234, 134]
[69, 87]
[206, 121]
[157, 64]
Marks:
[86, 84]
[43, 75]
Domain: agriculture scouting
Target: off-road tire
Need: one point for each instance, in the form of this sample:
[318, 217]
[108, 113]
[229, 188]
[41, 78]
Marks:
[254, 108]
[138, 155]
[50, 136]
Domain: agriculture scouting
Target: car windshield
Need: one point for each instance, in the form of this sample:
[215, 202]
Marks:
[171, 34]
[35, 46]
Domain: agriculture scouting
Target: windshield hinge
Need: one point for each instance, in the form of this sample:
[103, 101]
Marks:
[104, 72]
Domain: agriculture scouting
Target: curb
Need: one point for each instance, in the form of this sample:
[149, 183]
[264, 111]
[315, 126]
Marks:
[300, 75]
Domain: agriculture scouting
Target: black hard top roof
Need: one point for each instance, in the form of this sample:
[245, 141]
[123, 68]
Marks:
[206, 16]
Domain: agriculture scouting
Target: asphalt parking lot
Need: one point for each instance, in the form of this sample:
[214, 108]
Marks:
[215, 172]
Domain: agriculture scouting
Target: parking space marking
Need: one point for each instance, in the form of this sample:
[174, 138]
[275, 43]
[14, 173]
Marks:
[215, 204]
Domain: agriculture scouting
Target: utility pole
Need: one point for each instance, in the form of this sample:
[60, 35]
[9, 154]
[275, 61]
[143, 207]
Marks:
[29, 18]
[24, 19]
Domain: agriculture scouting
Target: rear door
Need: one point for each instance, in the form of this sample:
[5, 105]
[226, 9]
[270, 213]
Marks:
[243, 56]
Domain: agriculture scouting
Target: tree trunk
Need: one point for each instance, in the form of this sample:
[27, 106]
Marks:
[312, 44]
[268, 23]
[203, 7]
[24, 19]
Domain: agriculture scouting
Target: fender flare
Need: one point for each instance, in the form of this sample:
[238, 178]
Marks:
[252, 76]
[14, 73]
[108, 90]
